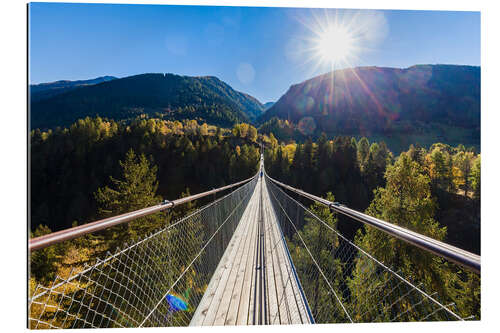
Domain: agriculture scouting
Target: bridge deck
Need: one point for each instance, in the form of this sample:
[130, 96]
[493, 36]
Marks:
[254, 282]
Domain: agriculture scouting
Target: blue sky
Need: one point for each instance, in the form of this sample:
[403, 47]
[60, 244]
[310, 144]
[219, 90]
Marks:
[260, 51]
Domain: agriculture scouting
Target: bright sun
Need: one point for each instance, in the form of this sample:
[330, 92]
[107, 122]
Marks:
[335, 44]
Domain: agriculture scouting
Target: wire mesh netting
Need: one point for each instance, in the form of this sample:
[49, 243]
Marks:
[157, 281]
[344, 283]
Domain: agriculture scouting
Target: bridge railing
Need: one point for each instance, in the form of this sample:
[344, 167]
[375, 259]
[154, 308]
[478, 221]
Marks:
[452, 253]
[344, 283]
[84, 229]
[155, 281]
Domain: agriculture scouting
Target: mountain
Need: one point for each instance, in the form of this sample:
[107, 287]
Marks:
[168, 96]
[268, 105]
[422, 103]
[50, 89]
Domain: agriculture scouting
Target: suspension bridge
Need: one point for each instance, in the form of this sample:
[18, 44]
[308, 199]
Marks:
[254, 256]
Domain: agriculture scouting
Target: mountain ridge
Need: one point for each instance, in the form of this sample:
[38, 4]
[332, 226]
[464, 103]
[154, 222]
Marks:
[433, 100]
[163, 95]
[49, 89]
[268, 105]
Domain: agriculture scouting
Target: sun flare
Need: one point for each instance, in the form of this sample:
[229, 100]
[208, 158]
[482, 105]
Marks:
[335, 44]
[336, 39]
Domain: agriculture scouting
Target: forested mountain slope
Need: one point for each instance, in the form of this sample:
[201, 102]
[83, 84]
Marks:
[50, 89]
[423, 103]
[167, 96]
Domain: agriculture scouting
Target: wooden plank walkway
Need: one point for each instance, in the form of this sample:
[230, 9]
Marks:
[254, 281]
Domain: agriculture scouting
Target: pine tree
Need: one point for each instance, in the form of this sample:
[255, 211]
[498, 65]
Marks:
[375, 165]
[405, 201]
[273, 141]
[43, 263]
[462, 163]
[324, 171]
[308, 166]
[440, 169]
[475, 177]
[135, 190]
[252, 133]
[297, 166]
[363, 152]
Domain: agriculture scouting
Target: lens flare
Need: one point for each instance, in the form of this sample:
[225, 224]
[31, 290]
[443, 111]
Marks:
[336, 44]
[176, 303]
[332, 41]
[335, 39]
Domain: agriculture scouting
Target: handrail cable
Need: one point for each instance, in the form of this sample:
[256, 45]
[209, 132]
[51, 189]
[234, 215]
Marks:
[44, 241]
[452, 253]
[113, 256]
[401, 278]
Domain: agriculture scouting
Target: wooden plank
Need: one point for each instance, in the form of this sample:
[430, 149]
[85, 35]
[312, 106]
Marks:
[301, 302]
[246, 287]
[212, 310]
[252, 307]
[207, 300]
[230, 298]
[205, 303]
[291, 293]
[225, 301]
[246, 296]
[273, 312]
[278, 275]
[238, 291]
